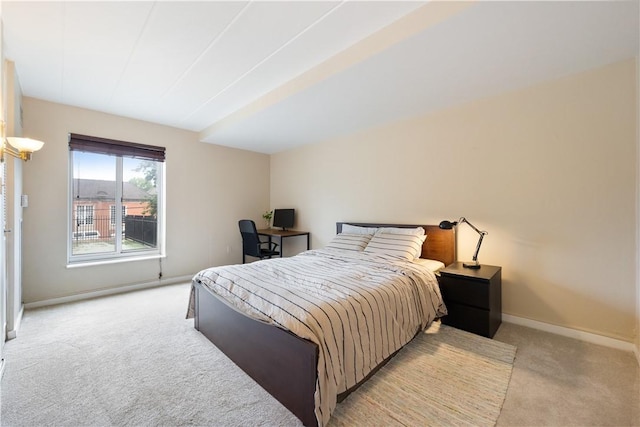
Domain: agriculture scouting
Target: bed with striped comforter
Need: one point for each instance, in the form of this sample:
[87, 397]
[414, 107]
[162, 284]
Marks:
[359, 308]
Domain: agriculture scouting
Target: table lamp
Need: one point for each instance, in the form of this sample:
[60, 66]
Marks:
[448, 225]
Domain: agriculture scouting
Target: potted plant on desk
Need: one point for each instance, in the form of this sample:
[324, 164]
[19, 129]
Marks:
[267, 218]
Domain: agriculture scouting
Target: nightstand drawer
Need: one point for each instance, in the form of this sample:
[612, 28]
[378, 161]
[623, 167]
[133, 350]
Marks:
[470, 292]
[471, 319]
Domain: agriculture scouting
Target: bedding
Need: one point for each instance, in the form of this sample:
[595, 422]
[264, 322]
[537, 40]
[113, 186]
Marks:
[350, 242]
[356, 229]
[417, 231]
[431, 264]
[357, 307]
[404, 246]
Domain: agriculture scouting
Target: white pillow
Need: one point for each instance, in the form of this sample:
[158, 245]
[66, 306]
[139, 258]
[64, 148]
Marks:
[405, 246]
[350, 242]
[417, 231]
[354, 229]
[431, 264]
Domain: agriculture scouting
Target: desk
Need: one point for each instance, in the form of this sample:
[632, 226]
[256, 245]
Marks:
[282, 234]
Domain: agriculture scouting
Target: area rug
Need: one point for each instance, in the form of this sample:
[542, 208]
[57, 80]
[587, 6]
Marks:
[443, 377]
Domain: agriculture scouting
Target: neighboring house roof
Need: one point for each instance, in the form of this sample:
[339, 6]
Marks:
[97, 189]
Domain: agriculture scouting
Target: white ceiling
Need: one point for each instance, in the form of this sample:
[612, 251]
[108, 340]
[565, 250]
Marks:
[267, 76]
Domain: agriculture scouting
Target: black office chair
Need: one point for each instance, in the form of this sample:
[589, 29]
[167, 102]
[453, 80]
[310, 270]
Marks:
[251, 243]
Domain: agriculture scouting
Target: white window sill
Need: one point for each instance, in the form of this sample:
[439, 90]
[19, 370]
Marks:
[93, 263]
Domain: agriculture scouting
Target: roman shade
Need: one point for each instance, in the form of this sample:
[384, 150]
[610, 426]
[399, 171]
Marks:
[94, 144]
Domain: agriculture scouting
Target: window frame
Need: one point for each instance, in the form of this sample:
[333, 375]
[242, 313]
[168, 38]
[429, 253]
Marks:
[118, 254]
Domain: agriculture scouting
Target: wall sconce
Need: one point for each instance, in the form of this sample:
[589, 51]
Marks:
[20, 148]
[447, 225]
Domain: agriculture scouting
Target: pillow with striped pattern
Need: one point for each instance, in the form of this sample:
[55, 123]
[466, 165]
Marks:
[356, 229]
[405, 246]
[418, 231]
[350, 242]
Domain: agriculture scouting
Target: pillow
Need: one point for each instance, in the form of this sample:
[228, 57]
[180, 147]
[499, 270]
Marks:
[431, 264]
[405, 246]
[354, 229]
[350, 242]
[417, 231]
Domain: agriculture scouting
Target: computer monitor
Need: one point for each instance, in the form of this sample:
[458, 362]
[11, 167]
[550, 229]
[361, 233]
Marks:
[283, 218]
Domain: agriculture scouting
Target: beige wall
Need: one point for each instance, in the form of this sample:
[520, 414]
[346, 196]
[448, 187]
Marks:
[208, 189]
[549, 172]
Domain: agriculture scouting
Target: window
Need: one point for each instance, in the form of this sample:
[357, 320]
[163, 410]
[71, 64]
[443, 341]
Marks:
[84, 214]
[116, 199]
[112, 213]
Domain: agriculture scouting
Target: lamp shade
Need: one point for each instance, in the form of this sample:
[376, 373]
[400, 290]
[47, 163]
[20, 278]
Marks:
[25, 144]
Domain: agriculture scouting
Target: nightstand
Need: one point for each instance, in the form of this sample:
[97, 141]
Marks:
[473, 298]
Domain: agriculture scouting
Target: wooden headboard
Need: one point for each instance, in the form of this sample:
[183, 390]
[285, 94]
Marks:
[439, 245]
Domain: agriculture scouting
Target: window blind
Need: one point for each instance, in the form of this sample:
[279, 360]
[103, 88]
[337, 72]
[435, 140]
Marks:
[94, 144]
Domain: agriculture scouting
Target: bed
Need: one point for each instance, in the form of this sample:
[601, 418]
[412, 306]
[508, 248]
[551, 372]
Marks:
[282, 362]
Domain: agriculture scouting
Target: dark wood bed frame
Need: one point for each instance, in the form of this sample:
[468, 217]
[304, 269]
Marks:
[281, 362]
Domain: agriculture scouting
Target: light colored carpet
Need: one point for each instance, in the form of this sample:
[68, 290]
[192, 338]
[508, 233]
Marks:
[560, 381]
[133, 359]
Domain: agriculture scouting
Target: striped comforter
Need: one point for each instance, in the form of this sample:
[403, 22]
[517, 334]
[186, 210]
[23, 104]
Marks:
[359, 308]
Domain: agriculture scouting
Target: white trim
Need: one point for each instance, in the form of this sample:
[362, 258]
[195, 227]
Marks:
[637, 325]
[14, 332]
[118, 260]
[571, 333]
[110, 291]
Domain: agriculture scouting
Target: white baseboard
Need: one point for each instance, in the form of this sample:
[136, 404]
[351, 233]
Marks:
[16, 327]
[571, 333]
[110, 291]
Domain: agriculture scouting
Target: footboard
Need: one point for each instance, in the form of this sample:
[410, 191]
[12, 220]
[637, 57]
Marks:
[282, 363]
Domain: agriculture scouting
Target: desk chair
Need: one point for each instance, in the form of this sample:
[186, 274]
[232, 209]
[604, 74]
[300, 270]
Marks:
[251, 243]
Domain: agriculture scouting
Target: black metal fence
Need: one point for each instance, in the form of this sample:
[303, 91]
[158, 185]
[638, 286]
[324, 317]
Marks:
[143, 229]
